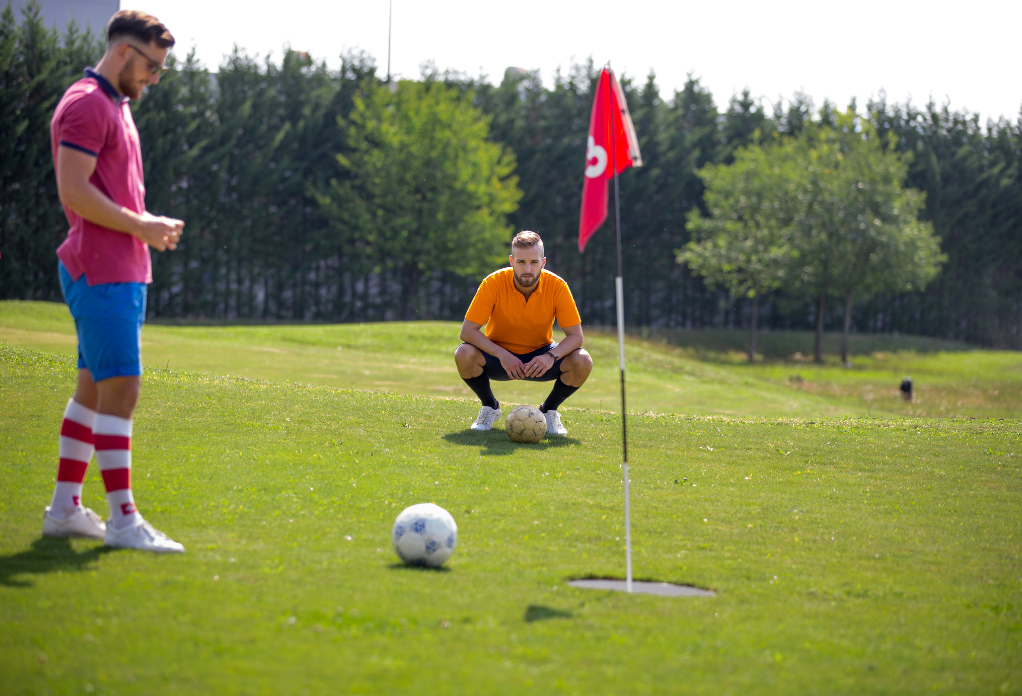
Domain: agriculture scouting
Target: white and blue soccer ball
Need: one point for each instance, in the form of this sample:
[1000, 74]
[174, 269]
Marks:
[425, 535]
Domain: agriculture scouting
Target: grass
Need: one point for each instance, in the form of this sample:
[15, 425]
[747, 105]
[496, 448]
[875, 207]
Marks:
[849, 555]
[775, 346]
[950, 378]
[696, 372]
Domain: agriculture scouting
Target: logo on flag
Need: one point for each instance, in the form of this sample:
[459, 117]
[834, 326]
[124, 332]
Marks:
[597, 156]
[611, 137]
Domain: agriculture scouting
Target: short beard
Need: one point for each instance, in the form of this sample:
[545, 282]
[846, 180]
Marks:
[531, 282]
[125, 81]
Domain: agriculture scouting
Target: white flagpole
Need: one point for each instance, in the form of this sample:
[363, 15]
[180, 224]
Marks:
[390, 24]
[620, 300]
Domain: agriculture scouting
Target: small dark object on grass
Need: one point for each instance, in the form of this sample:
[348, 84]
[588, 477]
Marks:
[906, 389]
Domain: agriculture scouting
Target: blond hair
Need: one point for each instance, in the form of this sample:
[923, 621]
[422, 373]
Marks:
[526, 239]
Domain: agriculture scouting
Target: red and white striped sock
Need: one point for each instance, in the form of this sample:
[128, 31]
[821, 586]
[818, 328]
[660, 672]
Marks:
[76, 450]
[113, 453]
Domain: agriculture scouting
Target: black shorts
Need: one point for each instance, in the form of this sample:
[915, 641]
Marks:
[495, 371]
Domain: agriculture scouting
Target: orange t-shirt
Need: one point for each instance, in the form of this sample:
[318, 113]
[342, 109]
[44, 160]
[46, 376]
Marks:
[517, 325]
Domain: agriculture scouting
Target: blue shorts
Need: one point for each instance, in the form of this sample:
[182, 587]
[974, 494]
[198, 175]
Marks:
[108, 319]
[495, 371]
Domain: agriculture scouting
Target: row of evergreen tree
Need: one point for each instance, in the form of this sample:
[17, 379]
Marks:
[248, 157]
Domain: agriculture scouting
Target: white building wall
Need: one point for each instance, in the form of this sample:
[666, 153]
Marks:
[87, 13]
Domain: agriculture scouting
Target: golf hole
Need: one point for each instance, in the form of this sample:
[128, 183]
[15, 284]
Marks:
[662, 589]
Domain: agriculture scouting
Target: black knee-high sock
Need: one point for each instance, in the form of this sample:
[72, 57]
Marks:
[558, 394]
[481, 386]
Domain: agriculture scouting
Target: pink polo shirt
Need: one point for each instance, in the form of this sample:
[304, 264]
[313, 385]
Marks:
[93, 118]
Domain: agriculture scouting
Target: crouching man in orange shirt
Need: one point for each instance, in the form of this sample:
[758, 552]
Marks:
[518, 306]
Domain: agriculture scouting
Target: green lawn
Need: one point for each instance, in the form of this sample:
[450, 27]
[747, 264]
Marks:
[849, 556]
[852, 550]
[697, 372]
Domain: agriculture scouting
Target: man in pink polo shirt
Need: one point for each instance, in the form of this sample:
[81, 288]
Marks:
[104, 268]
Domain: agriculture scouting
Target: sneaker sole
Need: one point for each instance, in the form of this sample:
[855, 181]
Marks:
[72, 535]
[150, 549]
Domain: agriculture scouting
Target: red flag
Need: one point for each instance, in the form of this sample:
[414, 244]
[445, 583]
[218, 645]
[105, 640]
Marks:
[610, 111]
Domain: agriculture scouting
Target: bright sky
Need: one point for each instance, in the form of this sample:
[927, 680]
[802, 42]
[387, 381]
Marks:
[964, 52]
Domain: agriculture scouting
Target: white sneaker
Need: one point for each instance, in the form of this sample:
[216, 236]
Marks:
[142, 536]
[553, 424]
[83, 522]
[486, 417]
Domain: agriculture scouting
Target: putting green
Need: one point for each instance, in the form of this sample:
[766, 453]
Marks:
[694, 373]
[848, 556]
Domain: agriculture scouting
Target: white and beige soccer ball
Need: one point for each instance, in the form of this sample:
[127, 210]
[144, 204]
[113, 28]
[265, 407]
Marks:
[526, 424]
[424, 535]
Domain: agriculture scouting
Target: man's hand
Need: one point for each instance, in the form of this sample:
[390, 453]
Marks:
[472, 334]
[77, 192]
[159, 232]
[512, 365]
[538, 366]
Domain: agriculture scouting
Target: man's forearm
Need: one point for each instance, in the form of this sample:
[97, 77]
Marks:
[89, 202]
[566, 347]
[478, 339]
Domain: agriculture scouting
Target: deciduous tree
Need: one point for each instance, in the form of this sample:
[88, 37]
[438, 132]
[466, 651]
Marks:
[425, 190]
[743, 243]
[857, 230]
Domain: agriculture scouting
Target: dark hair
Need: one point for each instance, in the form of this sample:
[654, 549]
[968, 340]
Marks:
[138, 25]
[526, 239]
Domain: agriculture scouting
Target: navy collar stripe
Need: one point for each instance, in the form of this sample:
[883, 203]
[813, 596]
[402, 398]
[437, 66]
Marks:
[105, 84]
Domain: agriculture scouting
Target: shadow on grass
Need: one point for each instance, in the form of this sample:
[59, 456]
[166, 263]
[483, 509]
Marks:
[47, 555]
[496, 442]
[419, 569]
[538, 612]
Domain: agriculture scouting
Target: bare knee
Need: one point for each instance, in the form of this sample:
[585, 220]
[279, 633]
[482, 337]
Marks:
[468, 354]
[575, 368]
[118, 396]
[469, 360]
[585, 360]
[86, 393]
[580, 360]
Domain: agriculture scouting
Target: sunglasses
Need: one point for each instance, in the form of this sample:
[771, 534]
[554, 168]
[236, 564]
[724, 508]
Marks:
[157, 68]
